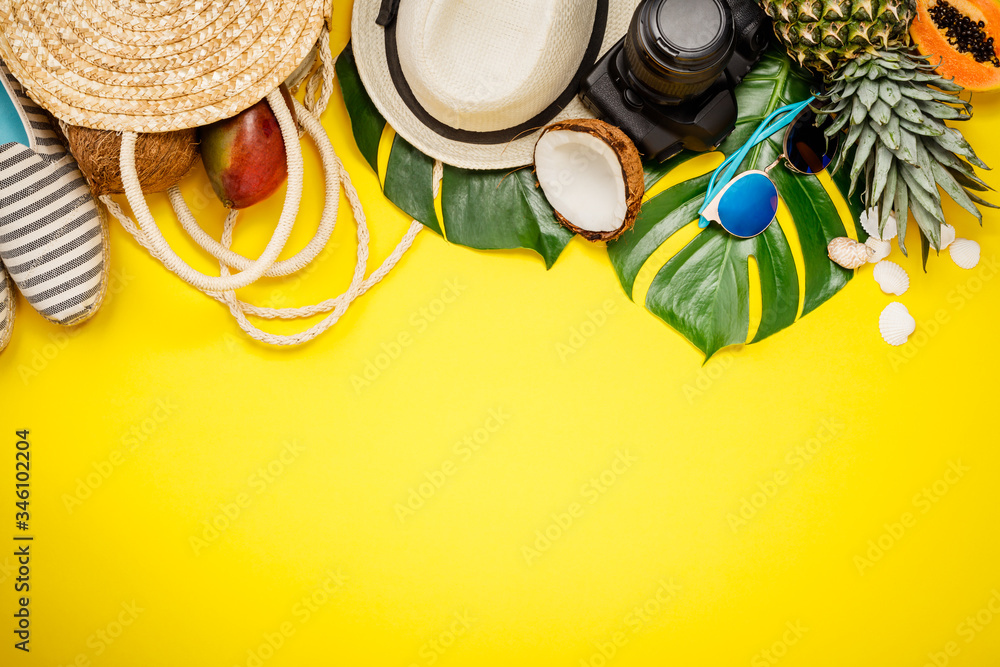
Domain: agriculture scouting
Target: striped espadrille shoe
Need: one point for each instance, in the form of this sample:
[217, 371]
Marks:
[53, 239]
[6, 309]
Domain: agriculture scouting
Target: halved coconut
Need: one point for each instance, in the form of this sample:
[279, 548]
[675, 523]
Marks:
[592, 176]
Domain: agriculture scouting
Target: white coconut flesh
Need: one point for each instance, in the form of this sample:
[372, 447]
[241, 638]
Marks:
[581, 176]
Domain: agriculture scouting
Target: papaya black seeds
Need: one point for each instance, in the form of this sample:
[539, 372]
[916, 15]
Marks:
[963, 33]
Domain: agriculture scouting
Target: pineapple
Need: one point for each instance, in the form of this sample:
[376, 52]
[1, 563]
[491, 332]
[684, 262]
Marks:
[894, 105]
[891, 103]
[822, 34]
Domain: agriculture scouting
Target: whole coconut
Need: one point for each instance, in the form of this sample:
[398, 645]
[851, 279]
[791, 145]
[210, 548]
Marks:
[161, 159]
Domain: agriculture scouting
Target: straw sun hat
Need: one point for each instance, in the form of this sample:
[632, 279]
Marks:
[140, 66]
[470, 83]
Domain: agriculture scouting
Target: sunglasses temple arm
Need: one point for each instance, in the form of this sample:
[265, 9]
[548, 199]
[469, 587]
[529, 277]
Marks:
[725, 171]
[763, 131]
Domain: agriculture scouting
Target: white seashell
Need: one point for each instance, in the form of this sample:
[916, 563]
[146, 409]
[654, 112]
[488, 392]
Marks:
[965, 253]
[947, 235]
[870, 219]
[880, 249]
[891, 277]
[896, 324]
[848, 253]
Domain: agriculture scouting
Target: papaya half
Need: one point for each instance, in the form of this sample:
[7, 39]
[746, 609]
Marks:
[958, 35]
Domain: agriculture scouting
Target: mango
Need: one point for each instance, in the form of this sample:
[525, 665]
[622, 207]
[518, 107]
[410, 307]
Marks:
[244, 156]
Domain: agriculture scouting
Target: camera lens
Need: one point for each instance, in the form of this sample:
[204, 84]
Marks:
[677, 48]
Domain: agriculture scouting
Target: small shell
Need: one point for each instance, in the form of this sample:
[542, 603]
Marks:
[848, 253]
[965, 253]
[896, 324]
[947, 235]
[880, 249]
[891, 277]
[870, 219]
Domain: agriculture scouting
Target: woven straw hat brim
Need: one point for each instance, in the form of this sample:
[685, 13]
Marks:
[131, 65]
[368, 40]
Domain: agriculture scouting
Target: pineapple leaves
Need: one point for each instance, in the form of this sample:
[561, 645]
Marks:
[888, 199]
[704, 289]
[889, 134]
[862, 152]
[883, 163]
[889, 92]
[880, 112]
[955, 190]
[867, 93]
[902, 212]
[919, 194]
[909, 110]
[952, 140]
[915, 155]
[925, 128]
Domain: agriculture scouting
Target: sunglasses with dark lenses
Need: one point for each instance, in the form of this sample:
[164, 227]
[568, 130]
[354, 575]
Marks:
[746, 205]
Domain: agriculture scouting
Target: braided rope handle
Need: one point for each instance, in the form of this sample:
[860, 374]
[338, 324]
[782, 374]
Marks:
[162, 250]
[223, 287]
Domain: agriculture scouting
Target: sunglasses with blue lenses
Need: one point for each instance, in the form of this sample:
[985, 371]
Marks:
[746, 205]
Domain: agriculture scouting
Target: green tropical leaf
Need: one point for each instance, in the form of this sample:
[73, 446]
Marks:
[486, 210]
[366, 122]
[703, 291]
[496, 210]
[409, 182]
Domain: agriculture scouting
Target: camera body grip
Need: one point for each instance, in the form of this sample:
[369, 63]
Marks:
[661, 125]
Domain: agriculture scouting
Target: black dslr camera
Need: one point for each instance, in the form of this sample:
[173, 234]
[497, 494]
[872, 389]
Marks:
[668, 84]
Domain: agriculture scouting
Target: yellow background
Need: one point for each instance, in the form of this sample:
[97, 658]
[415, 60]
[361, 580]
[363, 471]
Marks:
[180, 411]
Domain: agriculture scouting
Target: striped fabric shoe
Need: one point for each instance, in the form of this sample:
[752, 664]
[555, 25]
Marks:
[53, 240]
[6, 309]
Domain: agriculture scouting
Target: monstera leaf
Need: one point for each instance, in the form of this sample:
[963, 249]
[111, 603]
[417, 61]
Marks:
[703, 291]
[487, 210]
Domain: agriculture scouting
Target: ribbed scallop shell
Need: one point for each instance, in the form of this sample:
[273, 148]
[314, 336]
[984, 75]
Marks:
[869, 220]
[947, 235]
[896, 324]
[965, 253]
[880, 249]
[848, 253]
[891, 277]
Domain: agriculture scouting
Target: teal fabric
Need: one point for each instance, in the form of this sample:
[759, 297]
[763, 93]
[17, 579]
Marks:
[725, 171]
[12, 129]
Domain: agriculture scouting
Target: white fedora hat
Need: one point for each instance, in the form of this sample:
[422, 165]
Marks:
[471, 82]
